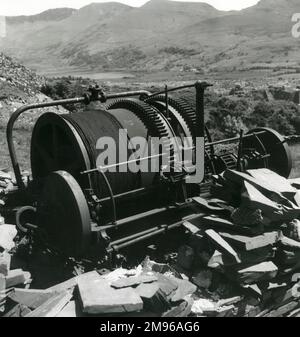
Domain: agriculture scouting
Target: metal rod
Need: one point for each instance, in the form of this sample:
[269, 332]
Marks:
[112, 197]
[144, 235]
[230, 140]
[200, 126]
[131, 193]
[128, 94]
[172, 89]
[131, 237]
[102, 168]
[137, 217]
[240, 152]
[167, 102]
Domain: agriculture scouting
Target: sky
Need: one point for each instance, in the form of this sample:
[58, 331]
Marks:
[28, 7]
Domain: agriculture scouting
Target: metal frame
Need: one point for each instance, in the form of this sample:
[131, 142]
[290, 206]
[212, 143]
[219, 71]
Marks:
[93, 95]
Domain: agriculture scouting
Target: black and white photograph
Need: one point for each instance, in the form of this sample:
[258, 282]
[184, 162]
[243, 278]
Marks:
[149, 162]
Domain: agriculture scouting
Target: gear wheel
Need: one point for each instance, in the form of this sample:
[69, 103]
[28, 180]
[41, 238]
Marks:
[188, 114]
[151, 118]
[184, 109]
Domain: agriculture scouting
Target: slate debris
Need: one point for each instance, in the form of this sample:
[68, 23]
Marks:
[145, 293]
[241, 257]
[10, 278]
[256, 248]
[98, 297]
[133, 281]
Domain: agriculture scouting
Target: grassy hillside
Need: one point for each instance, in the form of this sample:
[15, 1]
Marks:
[162, 35]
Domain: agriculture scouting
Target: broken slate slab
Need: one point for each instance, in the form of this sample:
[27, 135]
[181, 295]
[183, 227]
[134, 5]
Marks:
[72, 309]
[218, 223]
[66, 285]
[18, 310]
[221, 244]
[279, 183]
[98, 297]
[69, 284]
[261, 272]
[250, 243]
[211, 205]
[31, 298]
[53, 306]
[167, 285]
[252, 257]
[7, 235]
[240, 177]
[277, 208]
[17, 277]
[204, 306]
[283, 310]
[2, 286]
[218, 260]
[265, 188]
[133, 281]
[290, 244]
[254, 199]
[191, 228]
[5, 261]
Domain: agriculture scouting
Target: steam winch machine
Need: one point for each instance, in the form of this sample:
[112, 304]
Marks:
[81, 207]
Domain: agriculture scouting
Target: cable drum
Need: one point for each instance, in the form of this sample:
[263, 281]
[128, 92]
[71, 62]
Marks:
[92, 126]
[68, 143]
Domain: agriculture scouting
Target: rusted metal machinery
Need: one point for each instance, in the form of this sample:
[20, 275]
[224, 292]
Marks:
[79, 207]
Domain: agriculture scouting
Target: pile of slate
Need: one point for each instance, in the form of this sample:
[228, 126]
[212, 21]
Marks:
[248, 235]
[9, 279]
[150, 290]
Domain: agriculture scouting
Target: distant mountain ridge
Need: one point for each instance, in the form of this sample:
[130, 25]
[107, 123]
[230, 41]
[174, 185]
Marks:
[161, 35]
[48, 15]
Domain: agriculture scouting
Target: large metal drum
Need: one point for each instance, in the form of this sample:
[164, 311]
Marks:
[68, 143]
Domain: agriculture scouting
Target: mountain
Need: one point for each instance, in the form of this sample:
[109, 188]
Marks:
[161, 35]
[49, 15]
[259, 36]
[40, 43]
